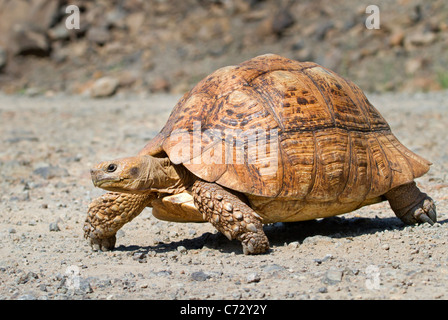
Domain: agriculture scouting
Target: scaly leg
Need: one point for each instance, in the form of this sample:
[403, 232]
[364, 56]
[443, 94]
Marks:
[231, 216]
[108, 213]
[411, 205]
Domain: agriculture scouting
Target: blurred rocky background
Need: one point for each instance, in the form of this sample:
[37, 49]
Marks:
[152, 46]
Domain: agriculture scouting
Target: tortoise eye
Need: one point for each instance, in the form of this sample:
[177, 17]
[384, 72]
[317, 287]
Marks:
[112, 167]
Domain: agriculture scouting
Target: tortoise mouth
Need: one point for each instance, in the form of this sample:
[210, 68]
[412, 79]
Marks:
[106, 182]
[102, 180]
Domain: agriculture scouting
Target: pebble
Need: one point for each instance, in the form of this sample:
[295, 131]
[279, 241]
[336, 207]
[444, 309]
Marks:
[2, 58]
[323, 290]
[104, 87]
[199, 276]
[253, 277]
[181, 249]
[49, 172]
[294, 244]
[333, 276]
[54, 227]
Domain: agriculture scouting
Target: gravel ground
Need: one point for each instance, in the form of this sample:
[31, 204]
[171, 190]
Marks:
[49, 143]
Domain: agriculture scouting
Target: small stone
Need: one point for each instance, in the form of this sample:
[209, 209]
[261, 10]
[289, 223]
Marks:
[49, 172]
[333, 276]
[54, 227]
[12, 230]
[182, 249]
[323, 290]
[253, 277]
[294, 244]
[104, 87]
[199, 276]
[282, 21]
[27, 297]
[138, 256]
[385, 246]
[3, 58]
[27, 40]
[98, 35]
[84, 287]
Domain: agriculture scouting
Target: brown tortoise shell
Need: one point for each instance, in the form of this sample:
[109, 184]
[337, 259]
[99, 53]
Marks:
[333, 145]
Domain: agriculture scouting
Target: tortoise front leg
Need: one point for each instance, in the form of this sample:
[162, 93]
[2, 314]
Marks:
[108, 213]
[231, 216]
[411, 205]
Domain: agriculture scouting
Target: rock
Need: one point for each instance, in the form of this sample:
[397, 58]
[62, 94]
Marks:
[182, 249]
[414, 65]
[282, 21]
[253, 277]
[98, 35]
[160, 85]
[83, 287]
[323, 290]
[294, 244]
[313, 240]
[27, 297]
[135, 21]
[24, 278]
[54, 227]
[104, 87]
[326, 258]
[419, 39]
[37, 15]
[321, 30]
[49, 172]
[59, 32]
[29, 41]
[333, 277]
[199, 276]
[396, 39]
[3, 58]
[272, 268]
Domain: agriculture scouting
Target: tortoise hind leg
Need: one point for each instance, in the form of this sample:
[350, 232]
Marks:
[231, 216]
[411, 205]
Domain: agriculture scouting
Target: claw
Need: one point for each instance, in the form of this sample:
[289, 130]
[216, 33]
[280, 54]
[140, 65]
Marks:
[427, 213]
[424, 218]
[432, 215]
[103, 244]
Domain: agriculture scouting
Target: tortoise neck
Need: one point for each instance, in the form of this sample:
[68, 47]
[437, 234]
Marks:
[169, 177]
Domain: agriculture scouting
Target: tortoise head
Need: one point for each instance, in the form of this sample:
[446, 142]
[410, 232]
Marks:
[138, 174]
[125, 174]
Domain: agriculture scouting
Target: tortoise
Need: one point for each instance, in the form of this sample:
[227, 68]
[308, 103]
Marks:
[269, 140]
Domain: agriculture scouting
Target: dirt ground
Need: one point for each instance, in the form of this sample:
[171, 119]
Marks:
[49, 143]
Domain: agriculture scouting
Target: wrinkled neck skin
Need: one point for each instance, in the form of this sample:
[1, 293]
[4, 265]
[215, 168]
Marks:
[162, 176]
